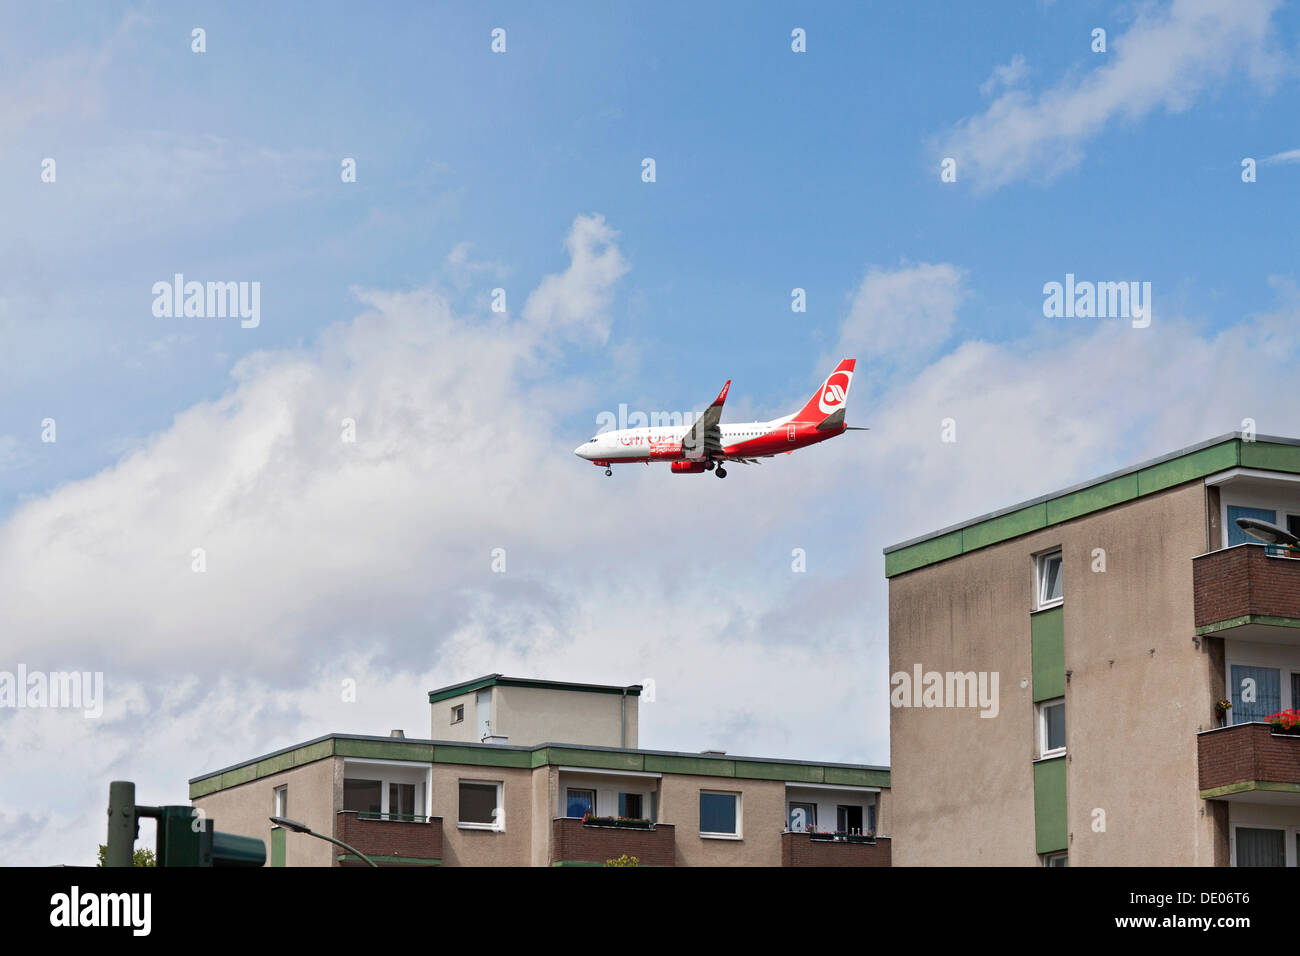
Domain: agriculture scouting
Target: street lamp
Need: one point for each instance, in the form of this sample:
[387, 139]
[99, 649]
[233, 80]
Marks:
[1268, 532]
[297, 827]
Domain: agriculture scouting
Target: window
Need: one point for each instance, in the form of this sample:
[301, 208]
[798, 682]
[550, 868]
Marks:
[1056, 859]
[458, 713]
[281, 801]
[801, 817]
[1293, 524]
[848, 819]
[1260, 847]
[629, 805]
[580, 803]
[1049, 579]
[479, 805]
[1256, 692]
[1236, 535]
[364, 796]
[401, 800]
[1051, 727]
[719, 814]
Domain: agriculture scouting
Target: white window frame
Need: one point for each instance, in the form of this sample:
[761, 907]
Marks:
[1043, 706]
[740, 825]
[377, 770]
[595, 797]
[1040, 579]
[280, 800]
[458, 714]
[500, 825]
[789, 811]
[1058, 855]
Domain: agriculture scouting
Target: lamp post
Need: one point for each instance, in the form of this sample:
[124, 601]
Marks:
[1269, 533]
[297, 827]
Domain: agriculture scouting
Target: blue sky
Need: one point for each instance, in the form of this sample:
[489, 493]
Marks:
[775, 170]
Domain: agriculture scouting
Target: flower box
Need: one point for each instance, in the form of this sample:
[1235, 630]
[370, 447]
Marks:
[841, 837]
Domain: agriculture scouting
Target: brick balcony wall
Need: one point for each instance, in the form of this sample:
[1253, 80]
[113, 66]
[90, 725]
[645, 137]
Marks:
[404, 838]
[1244, 580]
[1246, 752]
[799, 849]
[575, 843]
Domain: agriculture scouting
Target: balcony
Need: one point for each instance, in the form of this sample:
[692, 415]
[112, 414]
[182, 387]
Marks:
[1250, 592]
[1248, 759]
[576, 843]
[801, 849]
[389, 839]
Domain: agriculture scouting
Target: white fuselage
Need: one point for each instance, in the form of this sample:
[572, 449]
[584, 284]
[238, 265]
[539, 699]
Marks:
[665, 443]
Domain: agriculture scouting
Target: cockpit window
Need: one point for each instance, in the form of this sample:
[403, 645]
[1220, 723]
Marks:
[590, 440]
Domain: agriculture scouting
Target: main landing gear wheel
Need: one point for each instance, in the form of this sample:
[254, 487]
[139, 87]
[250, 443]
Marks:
[709, 465]
[608, 472]
[721, 472]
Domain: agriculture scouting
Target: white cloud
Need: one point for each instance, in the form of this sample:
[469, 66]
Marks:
[1006, 76]
[575, 302]
[1289, 156]
[1166, 59]
[902, 314]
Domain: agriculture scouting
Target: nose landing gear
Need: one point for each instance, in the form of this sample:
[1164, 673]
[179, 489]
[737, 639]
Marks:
[608, 472]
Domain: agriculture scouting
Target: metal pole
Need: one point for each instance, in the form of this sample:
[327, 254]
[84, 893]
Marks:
[121, 824]
[350, 849]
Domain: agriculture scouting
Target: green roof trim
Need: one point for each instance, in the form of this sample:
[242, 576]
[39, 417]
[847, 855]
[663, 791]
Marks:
[1245, 619]
[542, 755]
[1232, 450]
[1246, 786]
[498, 680]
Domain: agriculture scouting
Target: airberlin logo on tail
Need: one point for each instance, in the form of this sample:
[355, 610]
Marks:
[835, 391]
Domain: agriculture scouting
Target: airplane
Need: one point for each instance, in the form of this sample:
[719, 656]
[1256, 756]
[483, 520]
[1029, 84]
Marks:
[706, 445]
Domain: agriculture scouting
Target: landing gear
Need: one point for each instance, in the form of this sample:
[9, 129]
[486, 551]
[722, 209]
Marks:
[708, 465]
[721, 472]
[608, 472]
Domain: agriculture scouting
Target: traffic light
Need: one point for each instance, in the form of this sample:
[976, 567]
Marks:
[185, 836]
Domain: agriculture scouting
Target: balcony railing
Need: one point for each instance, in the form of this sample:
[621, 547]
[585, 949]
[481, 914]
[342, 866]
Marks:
[575, 843]
[806, 849]
[1247, 758]
[390, 838]
[1250, 591]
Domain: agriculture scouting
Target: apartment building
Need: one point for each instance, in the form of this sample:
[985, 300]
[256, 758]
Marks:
[1111, 617]
[522, 772]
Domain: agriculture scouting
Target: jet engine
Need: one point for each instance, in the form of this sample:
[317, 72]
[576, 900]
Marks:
[687, 467]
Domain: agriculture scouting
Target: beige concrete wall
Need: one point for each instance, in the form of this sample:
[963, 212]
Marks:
[762, 820]
[964, 784]
[441, 727]
[315, 791]
[536, 715]
[545, 801]
[884, 804]
[471, 847]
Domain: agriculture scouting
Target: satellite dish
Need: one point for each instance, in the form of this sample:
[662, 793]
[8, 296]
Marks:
[1267, 532]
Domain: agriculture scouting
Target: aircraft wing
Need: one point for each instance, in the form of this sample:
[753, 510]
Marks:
[705, 438]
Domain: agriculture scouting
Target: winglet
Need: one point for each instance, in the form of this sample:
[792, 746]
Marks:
[722, 395]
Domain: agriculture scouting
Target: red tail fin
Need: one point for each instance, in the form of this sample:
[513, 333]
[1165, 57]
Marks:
[831, 397]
